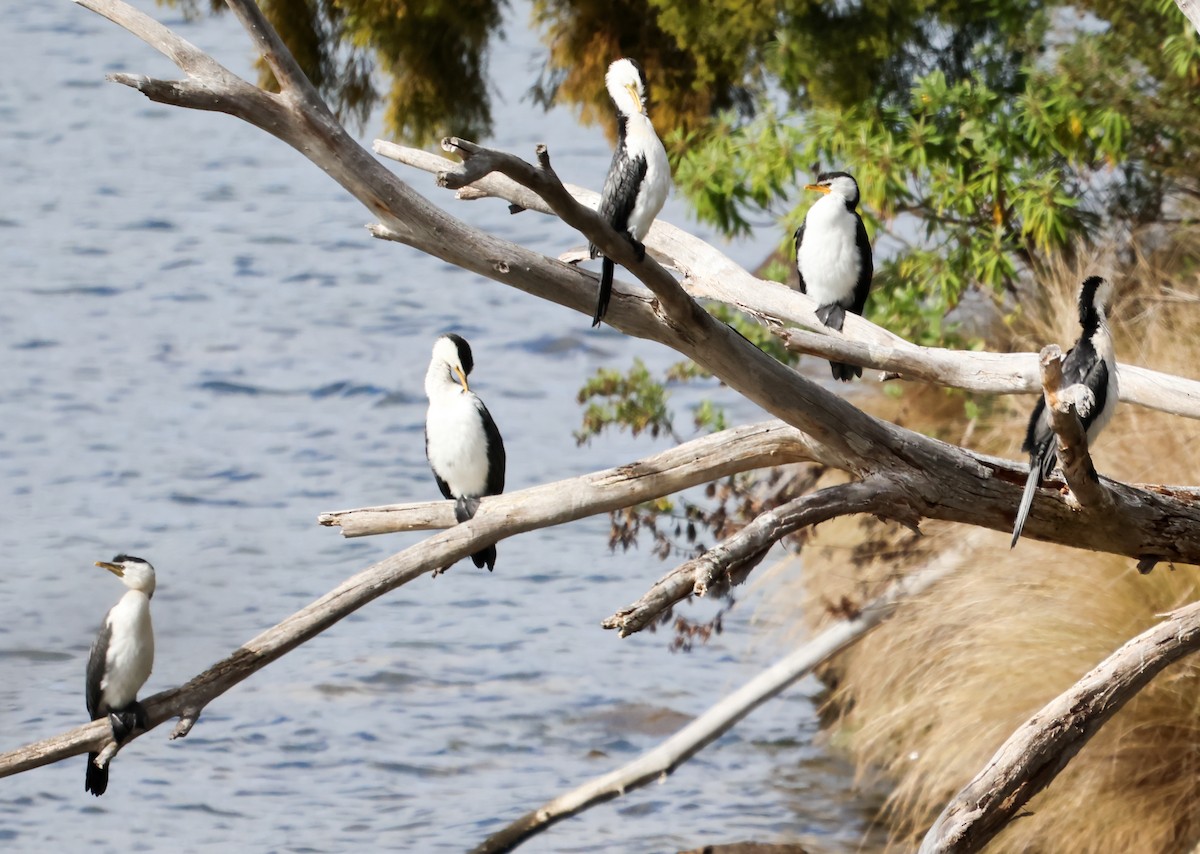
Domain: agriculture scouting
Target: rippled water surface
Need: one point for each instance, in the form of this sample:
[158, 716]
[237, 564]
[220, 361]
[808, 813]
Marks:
[203, 349]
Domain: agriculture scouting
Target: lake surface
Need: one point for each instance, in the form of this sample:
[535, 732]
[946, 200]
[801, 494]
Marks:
[203, 351]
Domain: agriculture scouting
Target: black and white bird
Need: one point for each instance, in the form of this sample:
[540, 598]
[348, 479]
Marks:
[120, 661]
[462, 443]
[639, 176]
[1090, 363]
[833, 257]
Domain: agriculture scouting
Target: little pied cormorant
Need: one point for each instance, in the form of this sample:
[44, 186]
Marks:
[1091, 363]
[639, 176]
[833, 257]
[120, 660]
[462, 443]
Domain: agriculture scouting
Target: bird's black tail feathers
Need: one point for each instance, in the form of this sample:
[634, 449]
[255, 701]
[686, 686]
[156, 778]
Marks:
[833, 316]
[464, 509]
[1041, 462]
[845, 372]
[96, 780]
[487, 558]
[606, 280]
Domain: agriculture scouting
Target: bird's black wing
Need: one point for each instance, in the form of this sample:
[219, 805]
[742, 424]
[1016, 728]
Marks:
[495, 451]
[95, 671]
[798, 238]
[625, 176]
[442, 485]
[863, 286]
[1084, 365]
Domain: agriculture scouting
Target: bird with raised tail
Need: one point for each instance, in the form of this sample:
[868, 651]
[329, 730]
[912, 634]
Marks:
[121, 659]
[1090, 363]
[639, 177]
[462, 443]
[833, 257]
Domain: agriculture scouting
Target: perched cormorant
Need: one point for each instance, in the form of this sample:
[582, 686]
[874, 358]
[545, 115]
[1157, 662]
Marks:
[1092, 363]
[462, 443]
[833, 257]
[639, 176]
[120, 660]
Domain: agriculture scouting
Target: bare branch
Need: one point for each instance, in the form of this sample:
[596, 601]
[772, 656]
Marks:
[1035, 754]
[190, 59]
[479, 161]
[292, 81]
[662, 760]
[697, 576]
[710, 274]
[1062, 409]
[699, 461]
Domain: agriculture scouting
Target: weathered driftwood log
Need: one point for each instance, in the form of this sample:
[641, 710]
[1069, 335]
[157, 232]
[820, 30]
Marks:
[1035, 754]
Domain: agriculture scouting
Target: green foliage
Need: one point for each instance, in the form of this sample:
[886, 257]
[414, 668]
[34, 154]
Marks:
[432, 54]
[1000, 156]
[634, 400]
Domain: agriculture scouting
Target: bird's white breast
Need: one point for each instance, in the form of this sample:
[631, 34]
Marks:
[130, 654]
[1104, 349]
[456, 442]
[828, 256]
[642, 141]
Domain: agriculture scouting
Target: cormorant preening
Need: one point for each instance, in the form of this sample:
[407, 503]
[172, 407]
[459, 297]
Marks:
[462, 443]
[1092, 363]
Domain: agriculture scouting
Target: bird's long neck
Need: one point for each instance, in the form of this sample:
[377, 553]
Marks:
[1092, 319]
[440, 381]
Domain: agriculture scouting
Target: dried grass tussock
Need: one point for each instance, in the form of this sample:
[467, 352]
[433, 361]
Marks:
[928, 698]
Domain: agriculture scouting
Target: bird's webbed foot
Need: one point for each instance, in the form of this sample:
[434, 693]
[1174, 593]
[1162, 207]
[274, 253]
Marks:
[465, 507]
[639, 248]
[125, 721]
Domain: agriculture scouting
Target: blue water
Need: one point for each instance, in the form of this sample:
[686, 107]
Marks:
[203, 350]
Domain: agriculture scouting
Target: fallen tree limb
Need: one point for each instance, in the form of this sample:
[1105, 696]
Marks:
[699, 461]
[1037, 752]
[694, 578]
[657, 763]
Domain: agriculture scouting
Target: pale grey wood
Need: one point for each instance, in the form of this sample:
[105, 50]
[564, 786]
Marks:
[690, 464]
[710, 274]
[1191, 9]
[729, 562]
[1073, 457]
[933, 479]
[657, 763]
[1037, 752]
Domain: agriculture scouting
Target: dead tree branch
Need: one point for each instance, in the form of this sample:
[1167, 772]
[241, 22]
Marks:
[716, 567]
[711, 457]
[1037, 752]
[710, 274]
[1062, 409]
[662, 760]
[700, 461]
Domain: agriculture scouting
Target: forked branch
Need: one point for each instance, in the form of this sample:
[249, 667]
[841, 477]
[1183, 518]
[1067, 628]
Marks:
[662, 760]
[715, 567]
